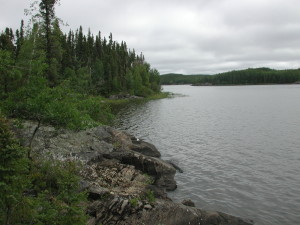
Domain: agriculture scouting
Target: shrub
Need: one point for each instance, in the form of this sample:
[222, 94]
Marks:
[57, 106]
[13, 173]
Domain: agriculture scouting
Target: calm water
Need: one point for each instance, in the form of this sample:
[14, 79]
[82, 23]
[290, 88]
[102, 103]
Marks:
[239, 147]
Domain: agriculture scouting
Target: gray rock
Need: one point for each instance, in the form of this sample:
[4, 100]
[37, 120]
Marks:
[175, 166]
[147, 206]
[61, 143]
[162, 172]
[95, 193]
[188, 202]
[119, 211]
[112, 163]
[145, 148]
[170, 213]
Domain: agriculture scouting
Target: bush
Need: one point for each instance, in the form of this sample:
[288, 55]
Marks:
[58, 198]
[37, 192]
[57, 106]
[13, 173]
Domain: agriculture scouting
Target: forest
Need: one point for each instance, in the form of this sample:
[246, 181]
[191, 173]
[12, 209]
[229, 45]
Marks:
[62, 78]
[237, 77]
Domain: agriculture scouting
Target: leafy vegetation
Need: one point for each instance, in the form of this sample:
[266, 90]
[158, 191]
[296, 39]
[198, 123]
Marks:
[173, 78]
[248, 76]
[37, 192]
[149, 196]
[62, 79]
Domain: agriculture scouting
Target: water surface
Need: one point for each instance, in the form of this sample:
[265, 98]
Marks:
[238, 147]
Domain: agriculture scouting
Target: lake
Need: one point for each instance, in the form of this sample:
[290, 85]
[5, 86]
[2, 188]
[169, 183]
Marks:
[239, 147]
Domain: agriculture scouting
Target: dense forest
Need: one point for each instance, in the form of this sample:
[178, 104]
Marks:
[87, 63]
[60, 79]
[239, 77]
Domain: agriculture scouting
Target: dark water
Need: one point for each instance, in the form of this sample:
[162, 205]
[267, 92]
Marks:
[239, 147]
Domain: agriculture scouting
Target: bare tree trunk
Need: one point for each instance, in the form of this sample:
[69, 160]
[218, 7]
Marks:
[31, 139]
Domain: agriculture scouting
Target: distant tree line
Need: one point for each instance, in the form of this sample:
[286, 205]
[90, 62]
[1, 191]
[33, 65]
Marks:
[239, 77]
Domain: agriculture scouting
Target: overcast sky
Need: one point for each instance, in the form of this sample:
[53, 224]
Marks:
[190, 36]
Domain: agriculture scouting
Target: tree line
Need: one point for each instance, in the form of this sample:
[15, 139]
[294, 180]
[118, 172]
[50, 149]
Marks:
[63, 78]
[237, 77]
[87, 63]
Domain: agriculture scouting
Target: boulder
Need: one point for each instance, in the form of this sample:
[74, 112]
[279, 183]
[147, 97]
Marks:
[145, 148]
[95, 193]
[162, 171]
[170, 213]
[119, 210]
[188, 202]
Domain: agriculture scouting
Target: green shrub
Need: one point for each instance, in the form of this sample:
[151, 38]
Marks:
[37, 192]
[150, 196]
[13, 173]
[57, 106]
[58, 198]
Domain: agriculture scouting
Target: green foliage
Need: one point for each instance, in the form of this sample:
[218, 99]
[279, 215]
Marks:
[9, 75]
[48, 193]
[58, 78]
[248, 76]
[134, 202]
[58, 200]
[150, 196]
[172, 78]
[57, 106]
[13, 174]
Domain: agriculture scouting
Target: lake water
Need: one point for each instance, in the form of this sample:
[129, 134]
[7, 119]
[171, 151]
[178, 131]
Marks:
[239, 147]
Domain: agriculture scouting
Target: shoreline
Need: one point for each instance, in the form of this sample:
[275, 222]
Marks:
[125, 178]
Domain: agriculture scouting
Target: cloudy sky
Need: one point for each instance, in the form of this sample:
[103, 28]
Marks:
[190, 36]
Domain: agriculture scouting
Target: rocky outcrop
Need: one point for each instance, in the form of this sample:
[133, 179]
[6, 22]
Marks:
[124, 177]
[145, 148]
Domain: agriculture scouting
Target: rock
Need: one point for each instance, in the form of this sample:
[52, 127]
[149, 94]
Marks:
[147, 206]
[175, 166]
[84, 185]
[120, 139]
[145, 148]
[162, 172]
[188, 202]
[62, 143]
[113, 167]
[95, 193]
[170, 213]
[91, 221]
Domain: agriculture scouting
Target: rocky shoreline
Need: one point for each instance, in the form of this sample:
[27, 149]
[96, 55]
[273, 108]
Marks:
[125, 178]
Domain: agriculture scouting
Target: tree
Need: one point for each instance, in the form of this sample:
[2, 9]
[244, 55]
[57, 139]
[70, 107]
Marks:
[13, 174]
[8, 73]
[47, 12]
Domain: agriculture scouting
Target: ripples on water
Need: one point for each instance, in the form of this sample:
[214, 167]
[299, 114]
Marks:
[238, 147]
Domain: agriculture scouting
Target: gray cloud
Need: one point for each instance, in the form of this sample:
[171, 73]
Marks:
[192, 36]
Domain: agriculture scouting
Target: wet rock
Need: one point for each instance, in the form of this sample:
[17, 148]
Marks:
[175, 166]
[145, 148]
[188, 202]
[170, 213]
